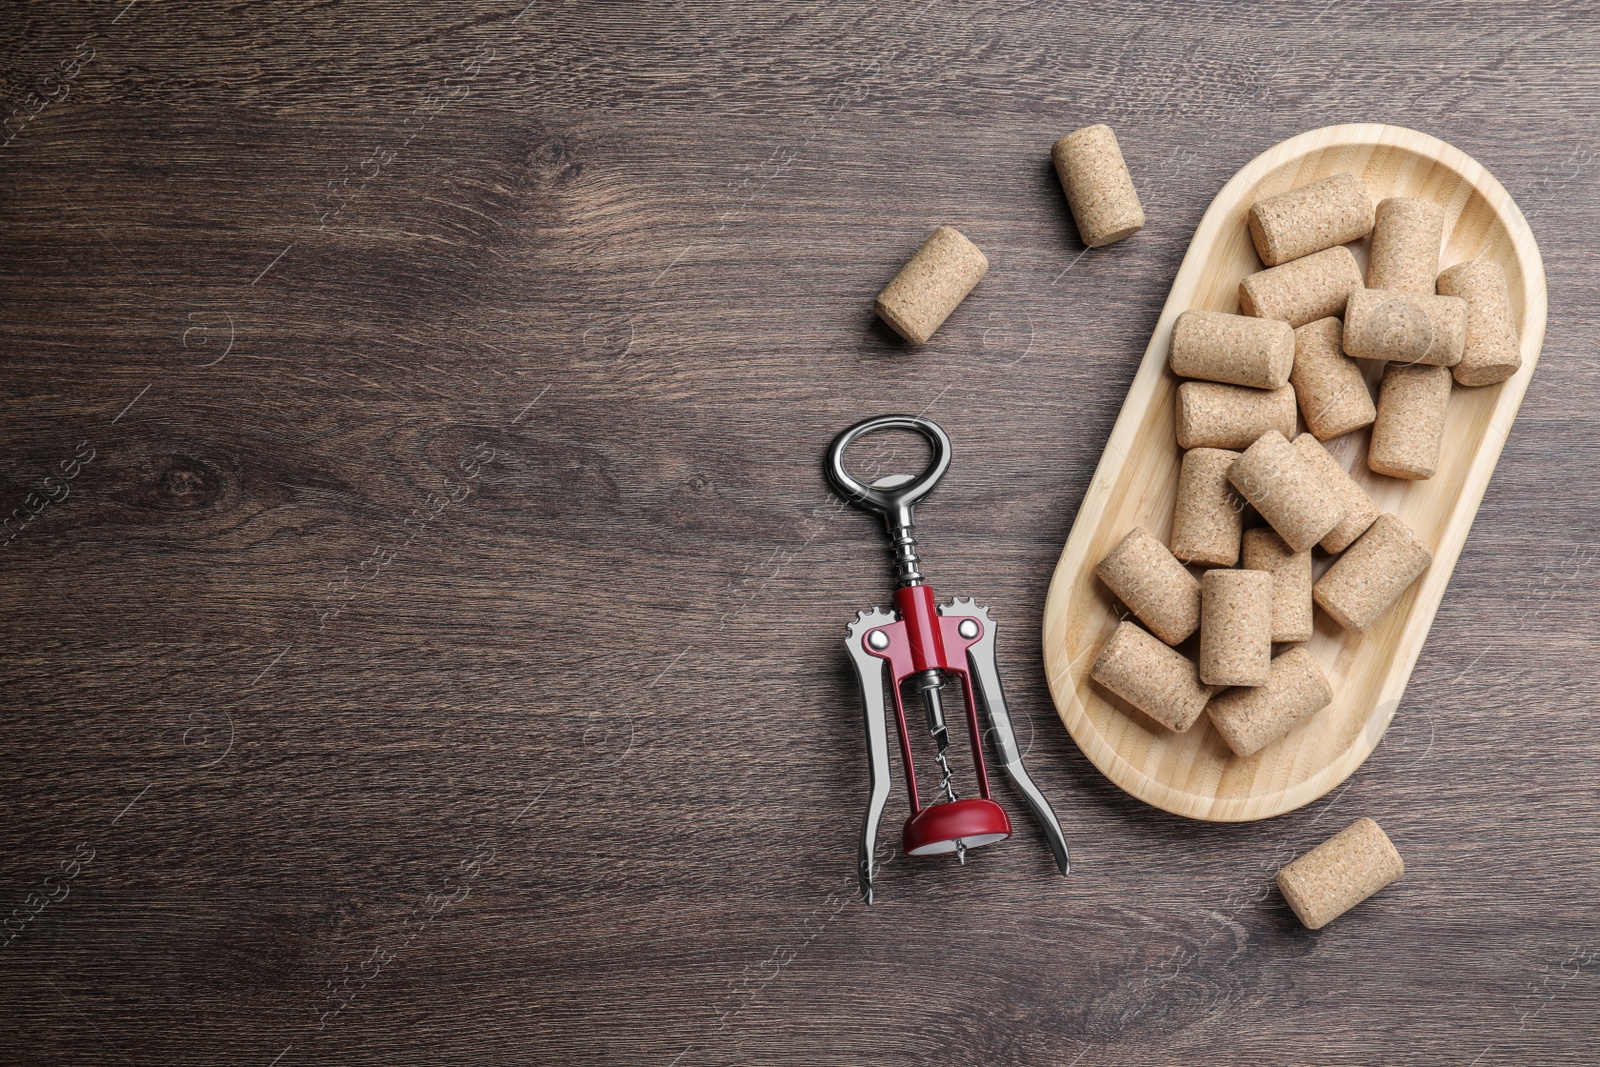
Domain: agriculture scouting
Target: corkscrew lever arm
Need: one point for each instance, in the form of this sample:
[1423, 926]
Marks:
[870, 673]
[986, 679]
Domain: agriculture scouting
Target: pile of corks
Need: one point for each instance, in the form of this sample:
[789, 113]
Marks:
[1307, 318]
[1290, 350]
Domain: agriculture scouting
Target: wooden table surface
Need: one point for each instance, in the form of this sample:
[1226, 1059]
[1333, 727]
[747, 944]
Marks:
[424, 642]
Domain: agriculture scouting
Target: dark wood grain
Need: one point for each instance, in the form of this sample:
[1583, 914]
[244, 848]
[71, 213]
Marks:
[446, 628]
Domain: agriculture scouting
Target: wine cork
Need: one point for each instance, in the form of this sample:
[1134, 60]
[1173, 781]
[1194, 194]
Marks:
[1211, 415]
[1155, 586]
[1236, 349]
[1302, 290]
[1380, 324]
[1208, 516]
[928, 288]
[1235, 627]
[1340, 873]
[1249, 719]
[1264, 550]
[1370, 576]
[1328, 384]
[1287, 491]
[1099, 188]
[1311, 218]
[1404, 252]
[1157, 680]
[1406, 437]
[1359, 510]
[1491, 353]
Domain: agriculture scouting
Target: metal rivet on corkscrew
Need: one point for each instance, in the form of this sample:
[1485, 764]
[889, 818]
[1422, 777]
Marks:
[920, 646]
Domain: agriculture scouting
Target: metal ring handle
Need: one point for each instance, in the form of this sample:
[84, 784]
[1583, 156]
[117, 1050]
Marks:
[893, 502]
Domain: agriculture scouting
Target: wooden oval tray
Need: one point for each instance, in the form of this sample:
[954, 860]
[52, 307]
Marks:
[1194, 773]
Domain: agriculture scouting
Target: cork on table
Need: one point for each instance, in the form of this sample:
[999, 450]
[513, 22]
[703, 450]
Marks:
[1340, 873]
[933, 282]
[1099, 190]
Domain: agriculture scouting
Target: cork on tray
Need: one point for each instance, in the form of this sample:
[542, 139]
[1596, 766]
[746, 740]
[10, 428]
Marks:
[1369, 577]
[1208, 516]
[1158, 680]
[1311, 218]
[1235, 627]
[1302, 290]
[1359, 510]
[1413, 401]
[1249, 718]
[1288, 492]
[1328, 384]
[1236, 349]
[1404, 251]
[928, 288]
[1340, 873]
[1405, 328]
[1264, 550]
[1212, 415]
[1157, 588]
[1099, 188]
[1491, 353]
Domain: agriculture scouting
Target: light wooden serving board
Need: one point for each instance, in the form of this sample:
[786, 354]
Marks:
[1194, 773]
